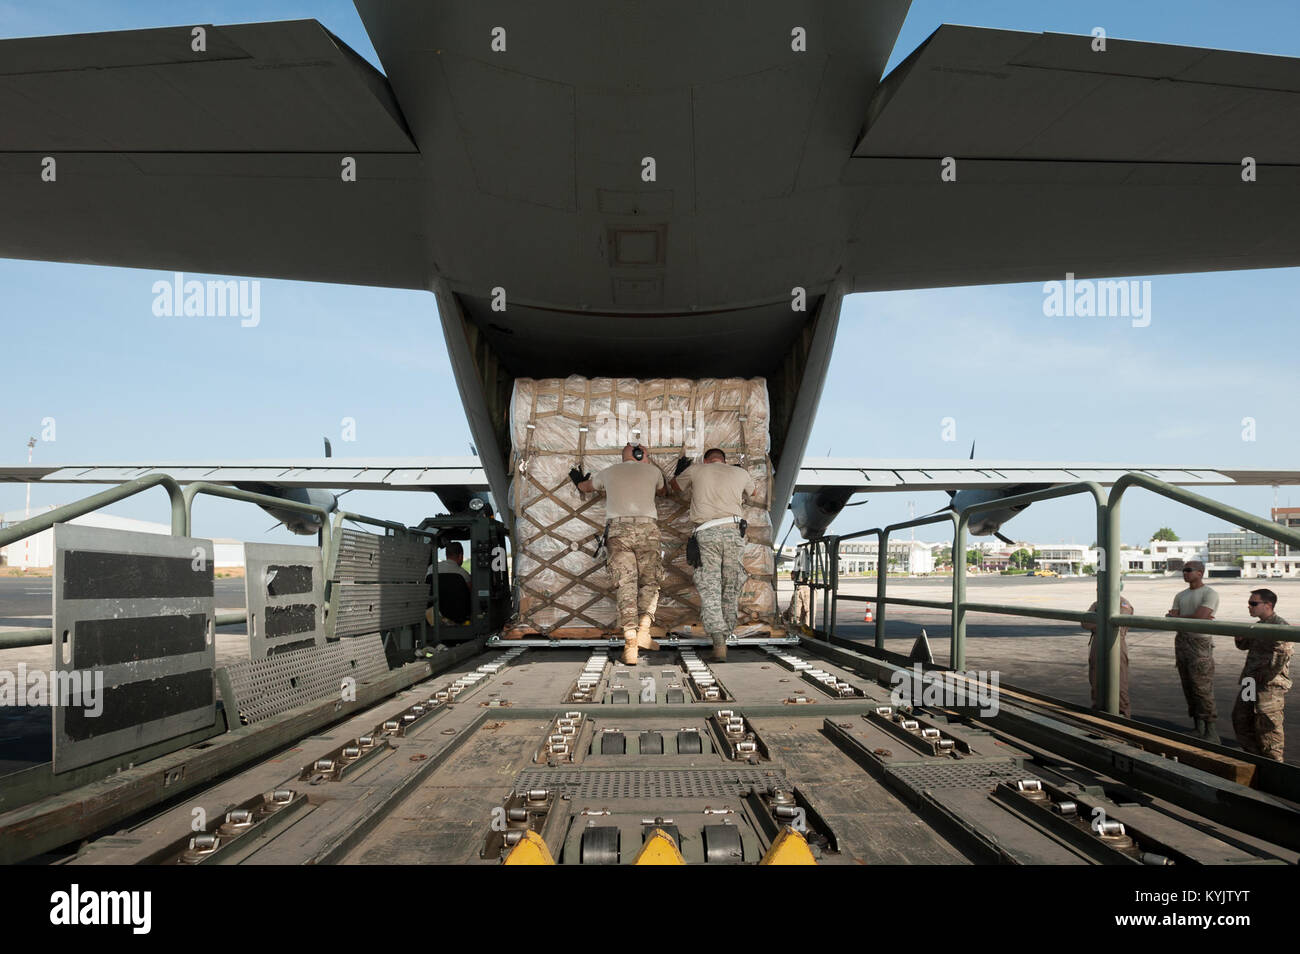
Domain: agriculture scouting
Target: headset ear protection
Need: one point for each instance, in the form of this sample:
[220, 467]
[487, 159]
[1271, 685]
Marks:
[638, 452]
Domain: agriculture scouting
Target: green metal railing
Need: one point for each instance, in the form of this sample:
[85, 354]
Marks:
[182, 506]
[882, 579]
[80, 508]
[1108, 675]
[376, 522]
[824, 566]
[262, 500]
[26, 638]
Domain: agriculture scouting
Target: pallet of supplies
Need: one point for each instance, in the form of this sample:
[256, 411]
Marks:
[559, 423]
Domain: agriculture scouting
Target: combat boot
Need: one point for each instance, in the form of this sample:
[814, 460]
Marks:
[629, 647]
[719, 649]
[643, 640]
[1210, 732]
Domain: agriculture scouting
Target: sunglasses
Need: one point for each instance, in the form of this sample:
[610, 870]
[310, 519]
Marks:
[1254, 602]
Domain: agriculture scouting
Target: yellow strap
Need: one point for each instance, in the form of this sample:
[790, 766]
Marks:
[585, 421]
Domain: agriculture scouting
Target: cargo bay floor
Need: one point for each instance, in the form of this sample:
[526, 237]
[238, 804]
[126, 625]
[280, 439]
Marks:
[721, 756]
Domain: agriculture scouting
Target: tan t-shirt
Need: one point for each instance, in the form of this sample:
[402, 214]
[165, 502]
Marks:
[630, 488]
[717, 489]
[1190, 600]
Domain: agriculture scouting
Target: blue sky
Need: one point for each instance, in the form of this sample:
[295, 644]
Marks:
[85, 348]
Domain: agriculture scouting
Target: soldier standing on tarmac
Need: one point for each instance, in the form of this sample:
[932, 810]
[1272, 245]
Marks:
[1194, 652]
[632, 543]
[801, 598]
[719, 536]
[1257, 714]
[1094, 650]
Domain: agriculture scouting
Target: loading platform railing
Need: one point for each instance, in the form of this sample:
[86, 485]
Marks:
[182, 508]
[821, 556]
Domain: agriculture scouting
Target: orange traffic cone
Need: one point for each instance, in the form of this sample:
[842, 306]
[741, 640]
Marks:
[868, 617]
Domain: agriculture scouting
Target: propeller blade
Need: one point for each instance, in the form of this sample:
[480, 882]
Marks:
[785, 538]
[1007, 540]
[329, 451]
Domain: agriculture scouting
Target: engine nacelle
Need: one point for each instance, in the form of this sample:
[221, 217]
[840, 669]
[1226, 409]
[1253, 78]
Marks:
[813, 511]
[304, 524]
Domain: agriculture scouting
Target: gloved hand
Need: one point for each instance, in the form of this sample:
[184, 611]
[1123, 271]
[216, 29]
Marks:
[578, 476]
[682, 463]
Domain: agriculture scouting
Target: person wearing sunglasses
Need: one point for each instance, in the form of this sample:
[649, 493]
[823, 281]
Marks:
[1265, 679]
[1194, 652]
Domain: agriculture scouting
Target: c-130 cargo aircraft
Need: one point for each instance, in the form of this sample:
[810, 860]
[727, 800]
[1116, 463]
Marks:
[644, 190]
[658, 190]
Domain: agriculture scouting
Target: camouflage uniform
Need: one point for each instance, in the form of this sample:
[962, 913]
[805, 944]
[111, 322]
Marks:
[1124, 708]
[797, 611]
[636, 566]
[1258, 723]
[1194, 656]
[720, 578]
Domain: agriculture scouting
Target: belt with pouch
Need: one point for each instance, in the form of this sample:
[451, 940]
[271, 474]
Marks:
[693, 545]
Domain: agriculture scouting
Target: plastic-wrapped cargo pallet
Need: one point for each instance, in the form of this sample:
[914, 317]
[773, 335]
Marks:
[557, 423]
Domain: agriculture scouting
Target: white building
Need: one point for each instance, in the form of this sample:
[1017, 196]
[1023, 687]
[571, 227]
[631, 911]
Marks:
[998, 560]
[1154, 558]
[905, 556]
[1275, 567]
[1180, 551]
[1158, 556]
[37, 551]
[1134, 560]
[1064, 558]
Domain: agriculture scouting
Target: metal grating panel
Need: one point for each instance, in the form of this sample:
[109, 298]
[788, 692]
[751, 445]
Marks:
[371, 607]
[283, 584]
[368, 557]
[966, 774]
[135, 610]
[652, 783]
[267, 687]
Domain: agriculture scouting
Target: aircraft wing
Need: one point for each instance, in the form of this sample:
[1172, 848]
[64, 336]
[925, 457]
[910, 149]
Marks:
[1070, 159]
[332, 473]
[871, 475]
[135, 149]
[879, 476]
